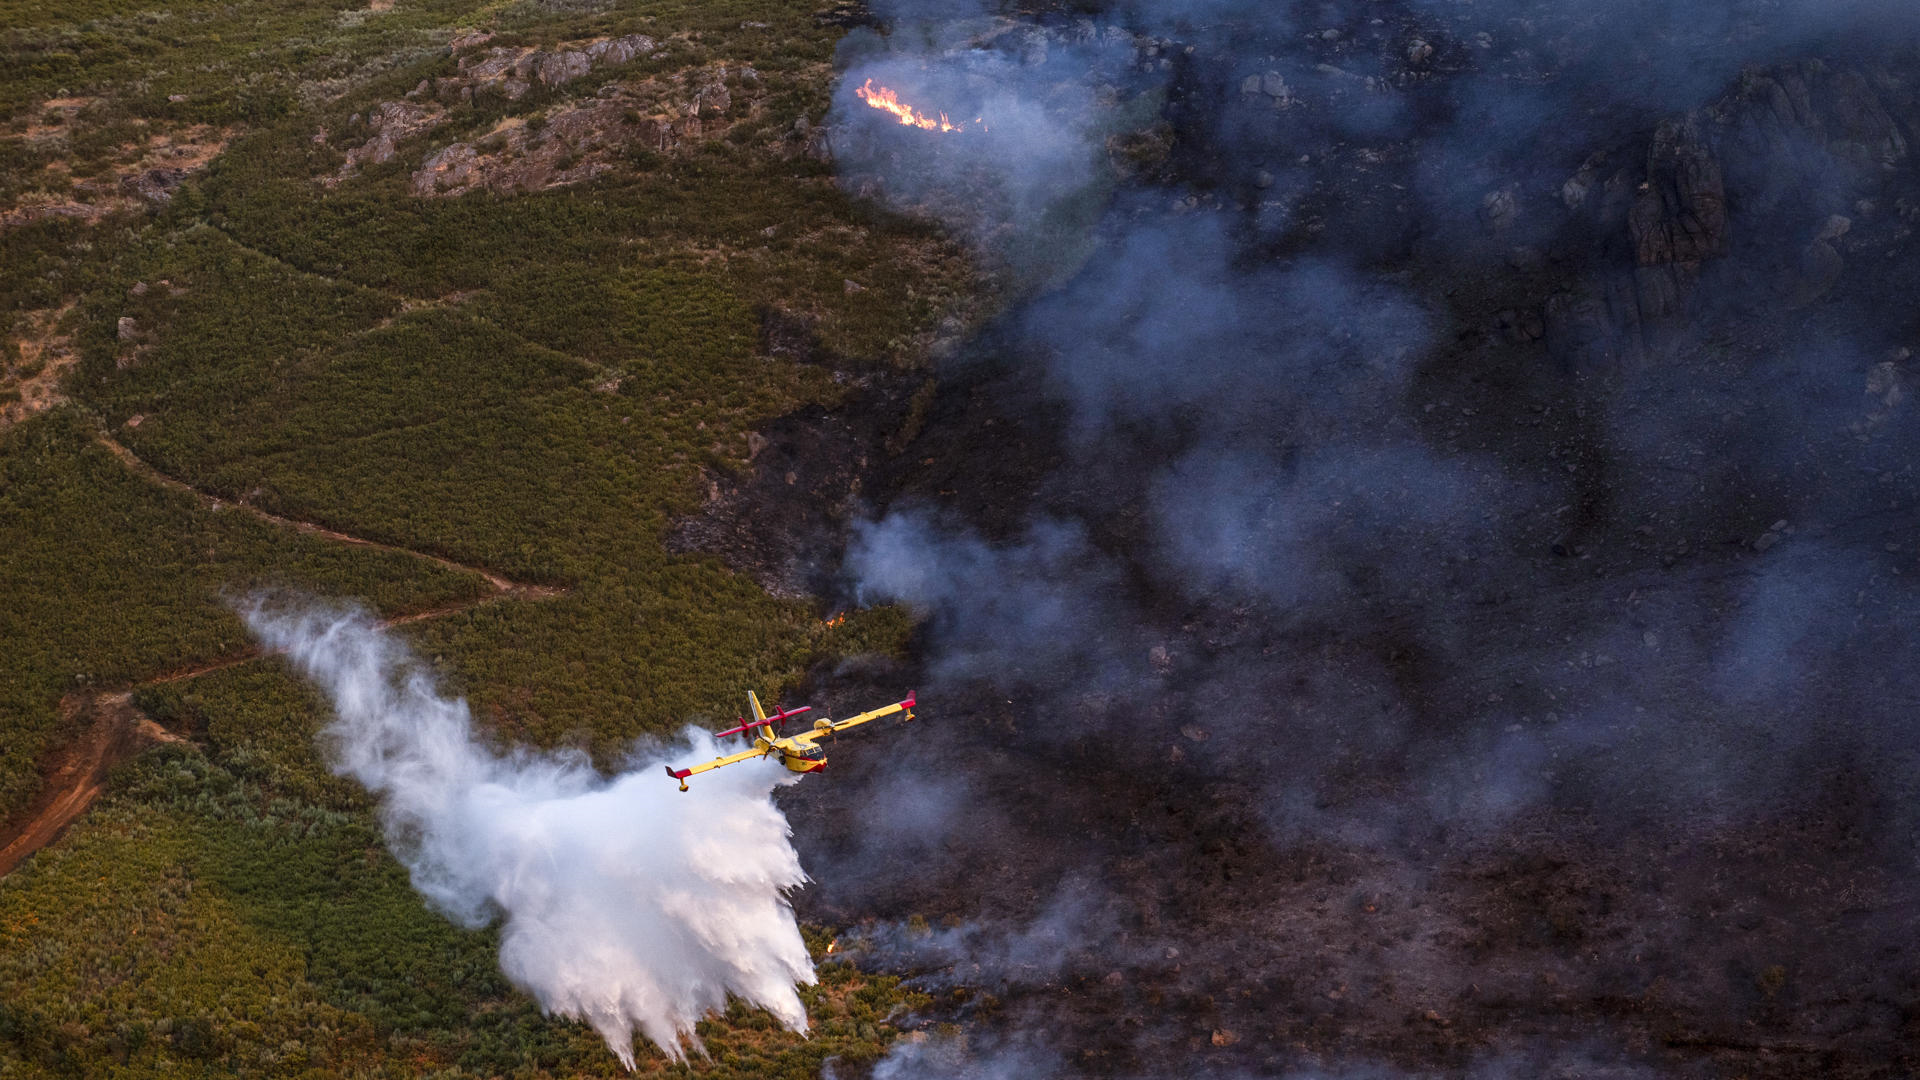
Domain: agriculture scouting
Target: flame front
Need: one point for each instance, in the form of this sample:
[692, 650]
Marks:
[888, 102]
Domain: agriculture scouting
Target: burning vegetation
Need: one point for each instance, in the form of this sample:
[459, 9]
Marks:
[889, 102]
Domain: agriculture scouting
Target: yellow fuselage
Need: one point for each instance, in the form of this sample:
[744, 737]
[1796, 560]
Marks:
[797, 752]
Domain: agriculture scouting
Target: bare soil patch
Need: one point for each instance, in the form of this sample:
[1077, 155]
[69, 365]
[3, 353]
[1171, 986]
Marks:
[45, 354]
[75, 774]
[144, 171]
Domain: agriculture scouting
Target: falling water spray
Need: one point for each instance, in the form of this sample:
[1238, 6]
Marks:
[626, 903]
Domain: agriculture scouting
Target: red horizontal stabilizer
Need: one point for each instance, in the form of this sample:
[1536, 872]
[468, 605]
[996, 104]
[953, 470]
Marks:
[748, 725]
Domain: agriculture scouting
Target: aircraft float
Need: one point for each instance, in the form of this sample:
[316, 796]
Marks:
[800, 753]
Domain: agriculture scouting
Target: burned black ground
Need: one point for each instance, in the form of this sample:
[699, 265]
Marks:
[1152, 902]
[1609, 774]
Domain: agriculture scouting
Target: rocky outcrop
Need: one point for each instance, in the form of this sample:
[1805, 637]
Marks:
[713, 99]
[558, 69]
[1270, 87]
[512, 71]
[389, 123]
[1810, 110]
[1796, 146]
[1679, 214]
[1677, 221]
[611, 51]
[155, 185]
[571, 144]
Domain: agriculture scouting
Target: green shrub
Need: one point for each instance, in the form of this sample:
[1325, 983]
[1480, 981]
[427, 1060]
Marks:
[535, 385]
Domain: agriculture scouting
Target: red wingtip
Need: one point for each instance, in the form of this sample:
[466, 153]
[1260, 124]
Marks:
[678, 774]
[909, 702]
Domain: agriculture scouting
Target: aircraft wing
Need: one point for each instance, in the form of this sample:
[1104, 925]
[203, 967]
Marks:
[707, 766]
[904, 705]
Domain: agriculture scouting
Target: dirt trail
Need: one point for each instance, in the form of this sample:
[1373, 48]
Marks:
[410, 304]
[76, 773]
[501, 584]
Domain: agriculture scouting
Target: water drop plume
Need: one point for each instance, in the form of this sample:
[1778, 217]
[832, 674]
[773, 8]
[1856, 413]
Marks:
[626, 903]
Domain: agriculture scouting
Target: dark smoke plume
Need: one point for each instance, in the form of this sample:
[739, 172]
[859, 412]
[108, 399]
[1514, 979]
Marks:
[1478, 418]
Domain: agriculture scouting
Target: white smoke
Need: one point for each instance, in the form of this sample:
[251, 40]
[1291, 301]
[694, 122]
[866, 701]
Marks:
[627, 903]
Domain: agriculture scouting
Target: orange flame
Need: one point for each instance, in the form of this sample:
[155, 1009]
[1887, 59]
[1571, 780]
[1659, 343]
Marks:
[887, 101]
[836, 620]
[832, 945]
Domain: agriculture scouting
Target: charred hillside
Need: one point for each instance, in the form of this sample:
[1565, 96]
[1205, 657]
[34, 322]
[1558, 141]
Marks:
[1425, 583]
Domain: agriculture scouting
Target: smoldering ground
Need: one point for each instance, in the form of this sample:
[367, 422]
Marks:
[1471, 617]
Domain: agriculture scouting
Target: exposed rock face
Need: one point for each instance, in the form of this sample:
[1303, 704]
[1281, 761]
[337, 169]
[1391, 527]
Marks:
[452, 169]
[1596, 326]
[391, 122]
[1271, 86]
[558, 69]
[493, 65]
[1500, 208]
[1780, 116]
[713, 99]
[1771, 143]
[514, 71]
[621, 49]
[1679, 214]
[574, 144]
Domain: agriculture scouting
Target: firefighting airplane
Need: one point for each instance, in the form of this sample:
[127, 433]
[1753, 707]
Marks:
[801, 753]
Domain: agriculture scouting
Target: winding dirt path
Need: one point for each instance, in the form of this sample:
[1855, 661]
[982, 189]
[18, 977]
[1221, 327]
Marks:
[500, 583]
[74, 774]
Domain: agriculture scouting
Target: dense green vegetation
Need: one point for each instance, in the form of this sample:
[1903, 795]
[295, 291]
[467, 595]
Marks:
[233, 65]
[110, 580]
[533, 384]
[232, 910]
